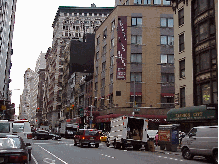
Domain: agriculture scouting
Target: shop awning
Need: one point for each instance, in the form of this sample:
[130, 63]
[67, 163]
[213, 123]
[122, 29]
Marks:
[191, 113]
[153, 118]
[167, 94]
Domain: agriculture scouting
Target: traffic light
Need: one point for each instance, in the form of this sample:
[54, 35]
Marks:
[72, 106]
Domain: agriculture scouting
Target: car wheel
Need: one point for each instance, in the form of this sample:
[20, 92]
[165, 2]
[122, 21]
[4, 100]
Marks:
[187, 154]
[96, 145]
[215, 156]
[35, 137]
[75, 143]
[81, 144]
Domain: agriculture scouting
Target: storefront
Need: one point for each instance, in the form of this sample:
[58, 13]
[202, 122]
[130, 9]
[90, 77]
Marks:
[189, 117]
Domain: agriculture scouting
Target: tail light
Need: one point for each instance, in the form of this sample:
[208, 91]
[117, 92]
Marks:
[17, 158]
[83, 138]
[100, 138]
[29, 136]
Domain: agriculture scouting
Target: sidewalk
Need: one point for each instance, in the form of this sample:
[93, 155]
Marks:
[178, 152]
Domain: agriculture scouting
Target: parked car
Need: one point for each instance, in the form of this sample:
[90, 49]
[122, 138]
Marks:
[41, 134]
[201, 141]
[13, 149]
[87, 137]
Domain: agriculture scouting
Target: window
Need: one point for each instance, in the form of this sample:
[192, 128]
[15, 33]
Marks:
[147, 2]
[136, 21]
[166, 2]
[138, 100]
[136, 39]
[169, 58]
[98, 40]
[97, 55]
[103, 66]
[203, 31]
[157, 2]
[181, 43]
[111, 78]
[215, 92]
[137, 1]
[105, 34]
[136, 58]
[96, 70]
[96, 86]
[136, 76]
[200, 6]
[112, 43]
[103, 83]
[118, 93]
[104, 50]
[204, 61]
[182, 97]
[86, 22]
[182, 69]
[181, 17]
[111, 61]
[166, 40]
[168, 77]
[166, 22]
[113, 25]
[205, 89]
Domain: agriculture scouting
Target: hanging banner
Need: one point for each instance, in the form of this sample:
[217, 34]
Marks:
[121, 48]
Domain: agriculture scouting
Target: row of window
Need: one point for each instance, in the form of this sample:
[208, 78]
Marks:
[85, 14]
[149, 2]
[137, 21]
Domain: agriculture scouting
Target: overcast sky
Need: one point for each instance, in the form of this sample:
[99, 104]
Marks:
[33, 34]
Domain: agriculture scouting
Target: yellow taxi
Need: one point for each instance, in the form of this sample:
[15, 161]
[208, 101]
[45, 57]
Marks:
[103, 137]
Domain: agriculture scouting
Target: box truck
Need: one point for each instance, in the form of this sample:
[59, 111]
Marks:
[128, 131]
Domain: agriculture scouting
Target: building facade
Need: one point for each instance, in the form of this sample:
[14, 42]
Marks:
[69, 23]
[134, 59]
[196, 64]
[7, 19]
[26, 99]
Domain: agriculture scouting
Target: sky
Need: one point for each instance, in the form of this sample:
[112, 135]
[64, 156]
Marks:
[33, 34]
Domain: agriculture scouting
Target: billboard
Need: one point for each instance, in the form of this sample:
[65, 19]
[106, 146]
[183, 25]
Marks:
[121, 48]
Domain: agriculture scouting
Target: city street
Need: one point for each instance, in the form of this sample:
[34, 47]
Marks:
[64, 151]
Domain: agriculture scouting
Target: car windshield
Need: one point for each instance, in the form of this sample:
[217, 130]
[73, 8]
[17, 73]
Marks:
[90, 133]
[17, 127]
[4, 127]
[10, 143]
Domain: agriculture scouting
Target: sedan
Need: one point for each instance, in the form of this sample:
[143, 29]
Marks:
[55, 136]
[41, 134]
[13, 149]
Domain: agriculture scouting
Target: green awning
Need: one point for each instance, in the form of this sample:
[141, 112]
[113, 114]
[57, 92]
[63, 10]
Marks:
[190, 113]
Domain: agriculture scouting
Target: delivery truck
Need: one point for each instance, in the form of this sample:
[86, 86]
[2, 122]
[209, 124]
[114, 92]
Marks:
[68, 130]
[128, 131]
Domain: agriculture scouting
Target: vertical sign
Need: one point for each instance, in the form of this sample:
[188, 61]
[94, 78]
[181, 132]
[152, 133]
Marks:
[121, 48]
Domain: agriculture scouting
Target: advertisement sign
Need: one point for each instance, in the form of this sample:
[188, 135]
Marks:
[164, 135]
[121, 48]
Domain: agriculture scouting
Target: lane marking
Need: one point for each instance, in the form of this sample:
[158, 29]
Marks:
[34, 159]
[53, 155]
[47, 160]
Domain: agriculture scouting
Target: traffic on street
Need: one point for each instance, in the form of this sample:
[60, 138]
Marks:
[64, 152]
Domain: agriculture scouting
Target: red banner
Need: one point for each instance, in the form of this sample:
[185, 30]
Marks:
[122, 48]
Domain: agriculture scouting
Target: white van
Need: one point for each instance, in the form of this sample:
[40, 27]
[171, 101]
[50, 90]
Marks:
[202, 141]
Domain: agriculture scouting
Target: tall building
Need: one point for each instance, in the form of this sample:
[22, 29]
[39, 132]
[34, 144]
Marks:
[196, 62]
[70, 22]
[7, 19]
[134, 60]
[26, 99]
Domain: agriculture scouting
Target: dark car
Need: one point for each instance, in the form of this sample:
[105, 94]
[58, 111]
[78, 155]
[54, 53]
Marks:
[13, 149]
[87, 137]
[41, 134]
[55, 136]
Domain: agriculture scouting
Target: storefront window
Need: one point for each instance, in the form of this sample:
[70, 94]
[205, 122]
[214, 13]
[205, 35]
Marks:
[206, 99]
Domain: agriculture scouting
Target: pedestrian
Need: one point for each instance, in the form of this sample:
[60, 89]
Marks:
[156, 139]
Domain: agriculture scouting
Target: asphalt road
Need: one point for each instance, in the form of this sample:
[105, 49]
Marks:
[64, 152]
